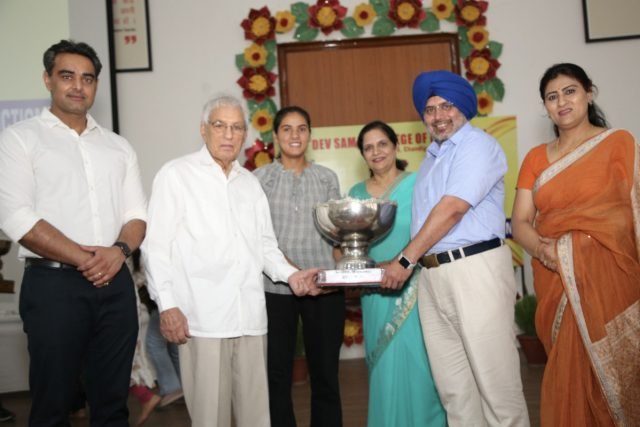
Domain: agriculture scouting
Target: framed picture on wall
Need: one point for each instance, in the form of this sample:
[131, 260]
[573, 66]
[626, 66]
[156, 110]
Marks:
[606, 20]
[131, 35]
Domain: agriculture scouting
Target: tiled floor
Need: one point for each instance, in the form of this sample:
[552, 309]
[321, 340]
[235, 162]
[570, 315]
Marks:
[353, 380]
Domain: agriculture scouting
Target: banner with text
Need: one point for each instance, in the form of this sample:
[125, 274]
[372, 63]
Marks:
[336, 148]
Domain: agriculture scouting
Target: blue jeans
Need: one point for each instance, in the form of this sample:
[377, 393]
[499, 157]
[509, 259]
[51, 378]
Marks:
[164, 356]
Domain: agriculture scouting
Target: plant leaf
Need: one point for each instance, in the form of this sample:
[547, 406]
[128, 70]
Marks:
[380, 6]
[495, 88]
[240, 61]
[463, 43]
[301, 11]
[351, 29]
[430, 23]
[383, 27]
[495, 48]
[305, 33]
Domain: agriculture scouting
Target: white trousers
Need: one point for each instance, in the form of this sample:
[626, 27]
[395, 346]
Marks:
[466, 310]
[219, 374]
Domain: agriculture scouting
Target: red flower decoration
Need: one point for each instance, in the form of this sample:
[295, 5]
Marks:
[258, 155]
[406, 13]
[327, 15]
[257, 83]
[259, 26]
[471, 12]
[481, 66]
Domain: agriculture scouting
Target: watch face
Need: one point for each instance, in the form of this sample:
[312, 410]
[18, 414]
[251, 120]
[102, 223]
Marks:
[404, 262]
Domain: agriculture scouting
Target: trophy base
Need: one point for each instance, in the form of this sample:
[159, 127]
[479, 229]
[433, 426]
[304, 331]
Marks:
[344, 278]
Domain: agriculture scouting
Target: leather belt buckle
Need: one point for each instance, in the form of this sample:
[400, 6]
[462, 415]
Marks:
[430, 261]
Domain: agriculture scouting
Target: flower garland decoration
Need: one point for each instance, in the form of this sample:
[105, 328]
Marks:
[383, 17]
[353, 327]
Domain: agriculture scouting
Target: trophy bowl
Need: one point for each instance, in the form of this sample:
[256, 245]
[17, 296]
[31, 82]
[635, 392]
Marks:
[354, 224]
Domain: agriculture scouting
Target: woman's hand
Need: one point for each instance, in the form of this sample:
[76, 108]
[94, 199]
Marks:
[546, 253]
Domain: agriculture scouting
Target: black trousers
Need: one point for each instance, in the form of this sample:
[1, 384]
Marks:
[72, 327]
[323, 329]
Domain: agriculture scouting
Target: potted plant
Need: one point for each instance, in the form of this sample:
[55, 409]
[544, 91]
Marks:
[525, 316]
[300, 369]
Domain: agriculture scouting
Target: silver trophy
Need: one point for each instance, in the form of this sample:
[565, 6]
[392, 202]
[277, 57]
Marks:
[354, 224]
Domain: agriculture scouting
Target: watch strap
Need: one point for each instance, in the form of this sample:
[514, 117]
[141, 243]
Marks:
[405, 262]
[126, 251]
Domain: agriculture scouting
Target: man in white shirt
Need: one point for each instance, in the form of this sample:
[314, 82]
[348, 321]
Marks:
[210, 238]
[71, 196]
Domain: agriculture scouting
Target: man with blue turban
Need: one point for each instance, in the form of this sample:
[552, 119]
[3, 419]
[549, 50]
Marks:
[467, 288]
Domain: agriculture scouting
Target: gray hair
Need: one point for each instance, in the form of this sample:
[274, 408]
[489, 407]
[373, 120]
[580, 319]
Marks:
[222, 101]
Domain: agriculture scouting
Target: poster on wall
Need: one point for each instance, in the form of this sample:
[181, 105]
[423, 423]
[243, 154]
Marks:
[131, 35]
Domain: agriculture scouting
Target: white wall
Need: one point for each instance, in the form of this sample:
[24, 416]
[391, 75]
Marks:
[194, 44]
[194, 48]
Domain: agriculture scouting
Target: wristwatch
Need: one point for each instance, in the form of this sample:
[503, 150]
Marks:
[126, 251]
[404, 262]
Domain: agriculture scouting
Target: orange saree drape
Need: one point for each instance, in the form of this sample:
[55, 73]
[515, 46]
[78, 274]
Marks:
[589, 311]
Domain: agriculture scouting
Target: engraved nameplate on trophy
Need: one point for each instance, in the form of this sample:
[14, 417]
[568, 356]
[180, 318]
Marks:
[354, 224]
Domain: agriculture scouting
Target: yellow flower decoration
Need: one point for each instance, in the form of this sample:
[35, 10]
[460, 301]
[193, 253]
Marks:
[326, 16]
[364, 14]
[485, 103]
[351, 328]
[262, 120]
[479, 66]
[406, 11]
[261, 26]
[478, 36]
[258, 83]
[470, 13]
[285, 21]
[261, 159]
[255, 55]
[442, 9]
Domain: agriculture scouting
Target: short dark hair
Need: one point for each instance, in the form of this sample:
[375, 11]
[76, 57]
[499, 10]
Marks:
[595, 114]
[387, 130]
[283, 112]
[70, 46]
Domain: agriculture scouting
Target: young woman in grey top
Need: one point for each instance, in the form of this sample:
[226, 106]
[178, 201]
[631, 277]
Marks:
[293, 186]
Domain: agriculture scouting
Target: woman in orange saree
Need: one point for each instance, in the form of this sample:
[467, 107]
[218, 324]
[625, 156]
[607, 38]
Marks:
[577, 212]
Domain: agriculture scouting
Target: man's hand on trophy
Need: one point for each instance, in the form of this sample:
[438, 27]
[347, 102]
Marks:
[395, 275]
[303, 282]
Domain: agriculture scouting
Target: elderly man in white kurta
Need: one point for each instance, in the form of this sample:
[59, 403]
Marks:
[209, 240]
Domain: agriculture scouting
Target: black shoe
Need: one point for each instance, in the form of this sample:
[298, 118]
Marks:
[6, 415]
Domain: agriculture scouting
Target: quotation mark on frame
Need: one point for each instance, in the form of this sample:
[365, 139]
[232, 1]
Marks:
[130, 39]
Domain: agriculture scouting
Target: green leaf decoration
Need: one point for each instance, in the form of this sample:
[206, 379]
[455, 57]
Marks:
[478, 87]
[464, 45]
[253, 106]
[269, 105]
[351, 29]
[305, 33]
[240, 61]
[495, 48]
[430, 23]
[271, 61]
[270, 45]
[266, 136]
[380, 6]
[301, 11]
[495, 88]
[383, 27]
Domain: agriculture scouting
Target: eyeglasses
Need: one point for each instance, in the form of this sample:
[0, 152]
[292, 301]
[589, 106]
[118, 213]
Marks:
[221, 127]
[445, 107]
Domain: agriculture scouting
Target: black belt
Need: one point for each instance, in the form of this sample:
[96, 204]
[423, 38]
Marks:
[48, 263]
[434, 260]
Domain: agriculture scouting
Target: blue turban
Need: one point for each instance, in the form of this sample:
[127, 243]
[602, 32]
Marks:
[447, 85]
